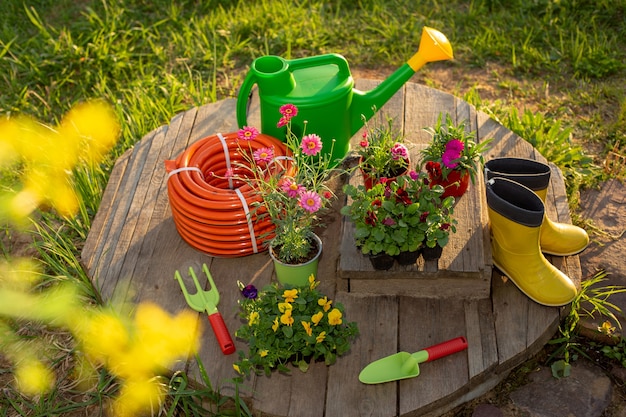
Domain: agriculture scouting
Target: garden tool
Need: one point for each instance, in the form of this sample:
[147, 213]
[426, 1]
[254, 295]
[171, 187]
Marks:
[516, 214]
[207, 301]
[404, 365]
[558, 239]
[322, 88]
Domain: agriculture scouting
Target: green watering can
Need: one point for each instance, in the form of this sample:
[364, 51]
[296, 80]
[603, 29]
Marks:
[323, 90]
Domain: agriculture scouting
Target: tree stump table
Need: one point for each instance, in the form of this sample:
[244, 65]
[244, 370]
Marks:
[133, 248]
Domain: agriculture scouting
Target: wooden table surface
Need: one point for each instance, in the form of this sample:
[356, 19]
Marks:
[133, 248]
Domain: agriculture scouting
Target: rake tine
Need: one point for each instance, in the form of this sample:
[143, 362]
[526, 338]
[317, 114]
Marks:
[213, 290]
[195, 281]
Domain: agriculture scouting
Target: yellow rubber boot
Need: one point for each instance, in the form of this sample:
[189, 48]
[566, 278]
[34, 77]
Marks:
[516, 215]
[560, 239]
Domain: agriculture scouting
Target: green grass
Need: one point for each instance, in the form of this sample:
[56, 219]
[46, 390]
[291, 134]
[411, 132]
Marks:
[555, 68]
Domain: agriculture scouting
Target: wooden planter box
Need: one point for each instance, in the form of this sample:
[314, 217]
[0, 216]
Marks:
[463, 271]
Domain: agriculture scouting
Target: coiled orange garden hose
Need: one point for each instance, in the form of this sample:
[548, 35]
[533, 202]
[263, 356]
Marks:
[213, 212]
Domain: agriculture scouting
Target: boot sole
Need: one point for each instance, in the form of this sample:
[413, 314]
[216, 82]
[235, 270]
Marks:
[524, 292]
[562, 255]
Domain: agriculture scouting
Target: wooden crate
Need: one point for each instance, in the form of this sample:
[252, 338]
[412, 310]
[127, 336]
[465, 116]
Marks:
[463, 271]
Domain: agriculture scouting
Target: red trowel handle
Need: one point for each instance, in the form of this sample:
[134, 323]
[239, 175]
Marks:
[221, 333]
[446, 348]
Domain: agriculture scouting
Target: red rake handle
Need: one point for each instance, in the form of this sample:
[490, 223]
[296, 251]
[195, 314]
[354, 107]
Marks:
[221, 333]
[446, 348]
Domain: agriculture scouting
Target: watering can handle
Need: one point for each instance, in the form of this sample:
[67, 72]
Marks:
[244, 98]
[288, 66]
[221, 333]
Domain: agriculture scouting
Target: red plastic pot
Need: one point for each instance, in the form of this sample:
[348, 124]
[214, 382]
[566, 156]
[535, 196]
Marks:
[454, 185]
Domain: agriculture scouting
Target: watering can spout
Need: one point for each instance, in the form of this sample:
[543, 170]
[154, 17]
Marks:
[434, 46]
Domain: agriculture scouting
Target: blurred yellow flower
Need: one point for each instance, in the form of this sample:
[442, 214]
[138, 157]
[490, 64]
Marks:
[33, 377]
[138, 396]
[47, 156]
[263, 353]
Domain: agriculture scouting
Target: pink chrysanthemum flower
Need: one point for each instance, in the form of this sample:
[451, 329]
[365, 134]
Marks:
[449, 157]
[263, 155]
[455, 145]
[291, 188]
[288, 111]
[310, 201]
[311, 144]
[399, 151]
[247, 133]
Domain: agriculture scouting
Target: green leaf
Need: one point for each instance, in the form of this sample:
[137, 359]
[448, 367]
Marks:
[561, 369]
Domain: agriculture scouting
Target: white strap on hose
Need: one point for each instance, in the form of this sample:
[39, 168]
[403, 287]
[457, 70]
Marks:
[181, 169]
[244, 205]
[226, 158]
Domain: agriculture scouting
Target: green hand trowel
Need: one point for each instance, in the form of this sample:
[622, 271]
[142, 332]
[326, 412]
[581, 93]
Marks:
[404, 365]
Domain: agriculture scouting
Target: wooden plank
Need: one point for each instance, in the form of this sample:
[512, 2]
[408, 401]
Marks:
[96, 235]
[424, 323]
[175, 141]
[128, 223]
[482, 348]
[107, 260]
[377, 318]
[423, 107]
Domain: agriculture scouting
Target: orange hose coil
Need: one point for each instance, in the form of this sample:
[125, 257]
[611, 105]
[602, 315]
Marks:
[212, 213]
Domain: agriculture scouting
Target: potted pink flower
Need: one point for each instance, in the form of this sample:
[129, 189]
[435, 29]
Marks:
[453, 157]
[294, 193]
[383, 154]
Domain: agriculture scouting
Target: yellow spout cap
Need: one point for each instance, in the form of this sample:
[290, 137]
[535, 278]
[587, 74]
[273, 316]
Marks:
[434, 46]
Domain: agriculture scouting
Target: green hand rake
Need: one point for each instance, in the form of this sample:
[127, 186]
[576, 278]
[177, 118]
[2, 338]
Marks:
[207, 301]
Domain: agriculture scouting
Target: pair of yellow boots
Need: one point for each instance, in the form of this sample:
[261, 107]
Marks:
[521, 232]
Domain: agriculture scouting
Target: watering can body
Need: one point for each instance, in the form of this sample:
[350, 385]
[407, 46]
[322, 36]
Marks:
[323, 90]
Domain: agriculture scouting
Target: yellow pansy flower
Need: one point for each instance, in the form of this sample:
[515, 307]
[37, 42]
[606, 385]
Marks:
[325, 303]
[312, 282]
[307, 327]
[236, 368]
[275, 325]
[263, 353]
[317, 317]
[334, 317]
[320, 337]
[253, 318]
[290, 295]
[282, 307]
[286, 318]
